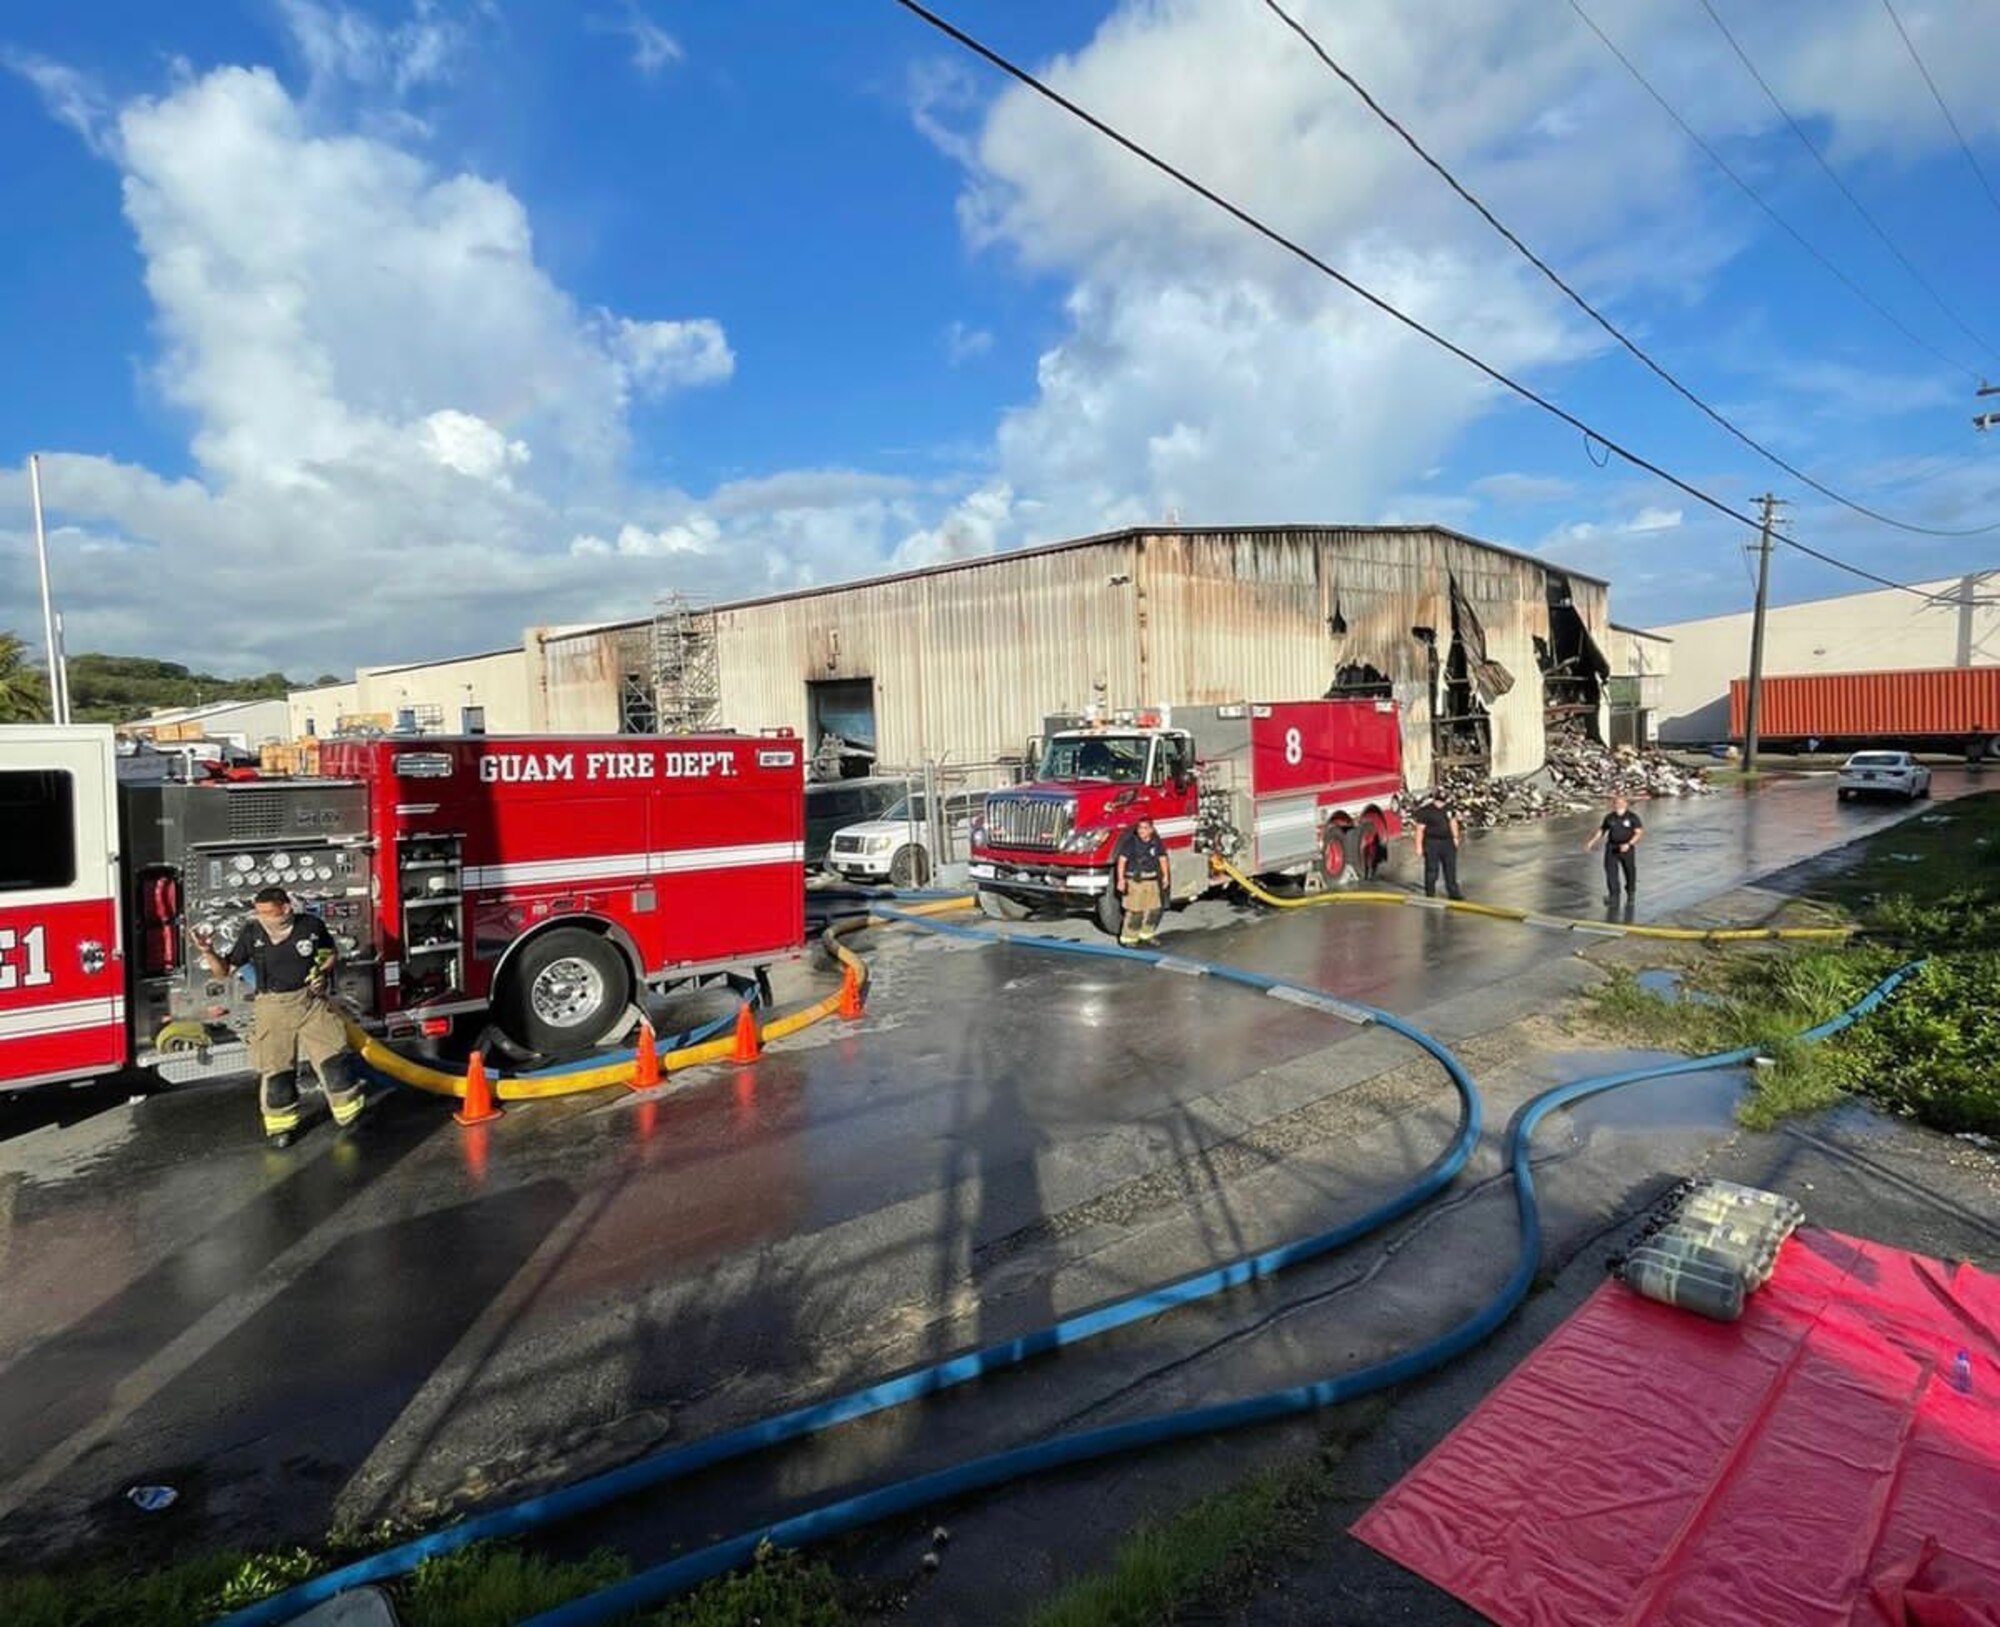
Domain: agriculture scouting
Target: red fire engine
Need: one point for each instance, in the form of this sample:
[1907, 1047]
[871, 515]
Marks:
[1286, 788]
[547, 881]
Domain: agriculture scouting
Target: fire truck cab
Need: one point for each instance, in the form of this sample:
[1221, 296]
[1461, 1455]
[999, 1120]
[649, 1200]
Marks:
[544, 881]
[1297, 788]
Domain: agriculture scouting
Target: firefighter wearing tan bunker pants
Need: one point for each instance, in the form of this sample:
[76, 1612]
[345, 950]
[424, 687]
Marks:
[1140, 875]
[291, 956]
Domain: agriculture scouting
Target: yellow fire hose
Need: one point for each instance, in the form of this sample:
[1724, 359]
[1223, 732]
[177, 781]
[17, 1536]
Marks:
[392, 1064]
[1558, 923]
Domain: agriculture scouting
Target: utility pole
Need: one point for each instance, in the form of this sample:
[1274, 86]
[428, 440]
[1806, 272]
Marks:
[1753, 690]
[56, 711]
[1986, 420]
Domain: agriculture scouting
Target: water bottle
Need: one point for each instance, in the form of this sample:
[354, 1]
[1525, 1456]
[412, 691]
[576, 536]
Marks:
[1960, 1377]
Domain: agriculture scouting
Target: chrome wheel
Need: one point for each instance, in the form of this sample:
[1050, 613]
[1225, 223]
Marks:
[567, 992]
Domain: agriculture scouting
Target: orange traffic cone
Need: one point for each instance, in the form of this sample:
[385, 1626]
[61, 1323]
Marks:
[747, 1046]
[645, 1060]
[479, 1106]
[850, 994]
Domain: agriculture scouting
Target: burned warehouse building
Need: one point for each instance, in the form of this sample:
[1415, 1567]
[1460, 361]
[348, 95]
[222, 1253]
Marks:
[1484, 649]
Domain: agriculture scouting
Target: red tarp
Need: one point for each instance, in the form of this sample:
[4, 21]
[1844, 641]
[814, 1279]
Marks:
[1812, 1463]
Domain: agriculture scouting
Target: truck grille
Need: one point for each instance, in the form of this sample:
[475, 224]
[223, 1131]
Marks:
[848, 844]
[1025, 821]
[256, 816]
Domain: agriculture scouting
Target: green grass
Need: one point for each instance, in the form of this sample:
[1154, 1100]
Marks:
[779, 1590]
[1928, 888]
[190, 1593]
[1203, 1553]
[480, 1586]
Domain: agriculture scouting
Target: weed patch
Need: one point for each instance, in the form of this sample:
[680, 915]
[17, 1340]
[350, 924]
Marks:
[1205, 1552]
[1925, 889]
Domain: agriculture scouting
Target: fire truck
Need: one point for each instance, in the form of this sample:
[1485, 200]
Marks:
[1293, 788]
[537, 884]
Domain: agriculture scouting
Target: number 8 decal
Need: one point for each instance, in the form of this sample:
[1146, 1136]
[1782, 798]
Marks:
[1295, 750]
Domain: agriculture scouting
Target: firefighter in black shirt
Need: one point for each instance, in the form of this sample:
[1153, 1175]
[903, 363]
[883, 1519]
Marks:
[1140, 873]
[1438, 835]
[292, 956]
[1621, 832]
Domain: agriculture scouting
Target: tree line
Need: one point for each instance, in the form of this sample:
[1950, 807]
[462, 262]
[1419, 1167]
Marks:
[120, 688]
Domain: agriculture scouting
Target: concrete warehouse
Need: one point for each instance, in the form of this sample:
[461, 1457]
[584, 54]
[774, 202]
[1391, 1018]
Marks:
[1481, 645]
[1880, 631]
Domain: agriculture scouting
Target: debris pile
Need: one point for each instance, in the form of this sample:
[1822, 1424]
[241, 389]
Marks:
[1578, 776]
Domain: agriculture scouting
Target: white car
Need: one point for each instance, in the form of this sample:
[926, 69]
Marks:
[1884, 774]
[896, 847]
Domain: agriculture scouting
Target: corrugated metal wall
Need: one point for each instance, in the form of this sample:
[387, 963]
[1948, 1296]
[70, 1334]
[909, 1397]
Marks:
[577, 676]
[967, 662]
[1256, 613]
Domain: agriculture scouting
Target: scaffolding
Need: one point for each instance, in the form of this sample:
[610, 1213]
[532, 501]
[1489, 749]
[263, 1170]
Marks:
[687, 682]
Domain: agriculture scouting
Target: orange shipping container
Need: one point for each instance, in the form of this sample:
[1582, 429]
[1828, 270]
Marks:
[1944, 703]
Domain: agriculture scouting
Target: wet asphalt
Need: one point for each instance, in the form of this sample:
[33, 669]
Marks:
[417, 1317]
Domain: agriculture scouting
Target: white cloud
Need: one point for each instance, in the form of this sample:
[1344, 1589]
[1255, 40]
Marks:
[963, 344]
[653, 48]
[806, 489]
[341, 45]
[1640, 523]
[471, 446]
[1204, 370]
[397, 417]
[657, 356]
[974, 527]
[72, 98]
[1520, 489]
[699, 534]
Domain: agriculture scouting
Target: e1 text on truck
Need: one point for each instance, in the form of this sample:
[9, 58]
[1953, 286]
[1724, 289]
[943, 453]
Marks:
[541, 883]
[1294, 788]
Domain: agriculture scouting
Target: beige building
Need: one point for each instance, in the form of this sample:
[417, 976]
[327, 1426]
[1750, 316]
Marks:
[1879, 631]
[487, 694]
[1636, 690]
[963, 661]
[244, 724]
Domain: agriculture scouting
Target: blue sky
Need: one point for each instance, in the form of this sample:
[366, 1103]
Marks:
[397, 327]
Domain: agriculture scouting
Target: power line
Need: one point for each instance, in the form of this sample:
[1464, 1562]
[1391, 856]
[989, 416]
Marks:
[1833, 175]
[1271, 234]
[1660, 372]
[1758, 199]
[1938, 96]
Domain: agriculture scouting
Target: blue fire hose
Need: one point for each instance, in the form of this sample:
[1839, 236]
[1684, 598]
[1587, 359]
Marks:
[665, 1581]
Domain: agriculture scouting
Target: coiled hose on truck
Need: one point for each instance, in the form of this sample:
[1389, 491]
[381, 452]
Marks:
[666, 1581]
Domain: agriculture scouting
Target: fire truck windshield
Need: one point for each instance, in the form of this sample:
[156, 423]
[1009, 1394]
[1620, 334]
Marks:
[1117, 758]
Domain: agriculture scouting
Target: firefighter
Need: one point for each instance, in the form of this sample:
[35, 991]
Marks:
[1438, 837]
[1621, 832]
[1141, 875]
[291, 956]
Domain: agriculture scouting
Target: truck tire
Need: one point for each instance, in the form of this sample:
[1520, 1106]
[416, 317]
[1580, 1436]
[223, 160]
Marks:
[1002, 907]
[1340, 854]
[1375, 848]
[911, 867]
[1110, 911]
[564, 993]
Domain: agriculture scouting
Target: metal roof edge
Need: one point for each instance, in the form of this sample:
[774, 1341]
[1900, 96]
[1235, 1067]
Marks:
[1130, 533]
